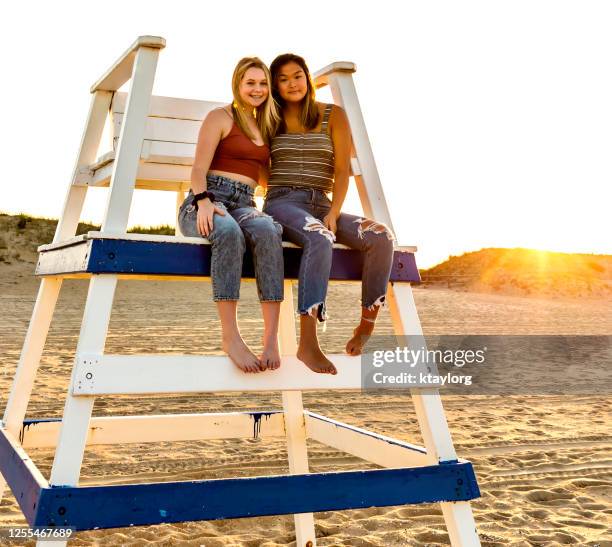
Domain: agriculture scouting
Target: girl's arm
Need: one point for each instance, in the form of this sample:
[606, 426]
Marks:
[341, 138]
[211, 132]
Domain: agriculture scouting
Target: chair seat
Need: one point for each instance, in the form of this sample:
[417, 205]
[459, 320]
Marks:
[144, 255]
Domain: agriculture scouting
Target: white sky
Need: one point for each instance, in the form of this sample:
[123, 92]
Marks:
[491, 122]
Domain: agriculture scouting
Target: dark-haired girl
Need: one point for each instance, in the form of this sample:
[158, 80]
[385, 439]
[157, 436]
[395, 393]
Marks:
[310, 157]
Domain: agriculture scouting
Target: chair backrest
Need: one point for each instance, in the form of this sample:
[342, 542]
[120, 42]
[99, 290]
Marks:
[171, 130]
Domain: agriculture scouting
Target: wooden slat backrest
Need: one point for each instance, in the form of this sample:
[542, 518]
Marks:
[170, 120]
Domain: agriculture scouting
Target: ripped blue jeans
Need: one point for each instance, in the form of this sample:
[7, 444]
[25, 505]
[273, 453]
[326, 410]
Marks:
[242, 223]
[301, 211]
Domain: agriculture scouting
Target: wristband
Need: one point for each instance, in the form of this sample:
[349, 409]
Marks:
[202, 195]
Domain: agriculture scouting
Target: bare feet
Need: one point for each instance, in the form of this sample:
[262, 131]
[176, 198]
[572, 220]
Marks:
[309, 351]
[270, 357]
[241, 355]
[361, 335]
[312, 356]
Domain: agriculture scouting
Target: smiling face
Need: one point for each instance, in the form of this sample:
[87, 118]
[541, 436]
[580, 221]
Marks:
[253, 89]
[291, 82]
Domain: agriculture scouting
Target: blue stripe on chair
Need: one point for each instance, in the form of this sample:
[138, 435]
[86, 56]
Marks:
[117, 506]
[24, 486]
[184, 259]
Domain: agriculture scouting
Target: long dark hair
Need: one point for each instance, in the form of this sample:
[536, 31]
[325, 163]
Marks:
[309, 115]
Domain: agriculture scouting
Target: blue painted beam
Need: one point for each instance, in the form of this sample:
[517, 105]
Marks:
[122, 256]
[86, 508]
[18, 476]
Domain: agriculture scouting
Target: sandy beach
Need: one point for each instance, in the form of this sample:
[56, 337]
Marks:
[543, 463]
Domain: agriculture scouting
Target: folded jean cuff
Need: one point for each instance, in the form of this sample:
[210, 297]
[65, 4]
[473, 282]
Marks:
[226, 298]
[381, 302]
[319, 307]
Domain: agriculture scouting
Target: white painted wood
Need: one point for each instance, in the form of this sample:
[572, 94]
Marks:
[75, 196]
[295, 423]
[180, 198]
[368, 183]
[71, 259]
[77, 410]
[165, 129]
[149, 176]
[121, 70]
[170, 107]
[427, 402]
[460, 524]
[125, 166]
[174, 153]
[381, 450]
[103, 160]
[155, 238]
[31, 352]
[160, 428]
[432, 419]
[97, 374]
[321, 77]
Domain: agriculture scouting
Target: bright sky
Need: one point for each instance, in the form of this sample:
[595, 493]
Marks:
[491, 122]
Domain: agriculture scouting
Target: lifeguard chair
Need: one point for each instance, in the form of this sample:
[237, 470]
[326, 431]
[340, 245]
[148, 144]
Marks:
[153, 147]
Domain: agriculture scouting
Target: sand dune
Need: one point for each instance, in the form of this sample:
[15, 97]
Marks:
[525, 272]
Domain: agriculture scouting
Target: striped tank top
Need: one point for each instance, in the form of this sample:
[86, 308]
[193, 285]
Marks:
[304, 159]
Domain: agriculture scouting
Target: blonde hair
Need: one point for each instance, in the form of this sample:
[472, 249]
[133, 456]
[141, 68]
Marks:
[266, 115]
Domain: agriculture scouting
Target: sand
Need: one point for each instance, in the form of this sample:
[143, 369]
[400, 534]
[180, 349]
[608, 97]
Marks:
[543, 463]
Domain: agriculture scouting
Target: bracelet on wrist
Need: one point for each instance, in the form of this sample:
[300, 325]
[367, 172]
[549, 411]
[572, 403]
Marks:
[201, 196]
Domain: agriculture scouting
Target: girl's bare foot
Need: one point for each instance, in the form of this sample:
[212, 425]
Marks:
[270, 357]
[361, 335]
[312, 356]
[309, 351]
[241, 355]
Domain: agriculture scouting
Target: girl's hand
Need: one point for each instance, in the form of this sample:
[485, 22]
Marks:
[206, 212]
[329, 220]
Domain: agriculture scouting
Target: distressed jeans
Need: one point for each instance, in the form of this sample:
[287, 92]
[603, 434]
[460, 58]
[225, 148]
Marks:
[301, 211]
[242, 223]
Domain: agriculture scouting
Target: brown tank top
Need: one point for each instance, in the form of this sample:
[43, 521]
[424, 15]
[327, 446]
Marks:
[238, 154]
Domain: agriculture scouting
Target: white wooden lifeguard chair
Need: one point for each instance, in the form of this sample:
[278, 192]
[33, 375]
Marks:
[153, 147]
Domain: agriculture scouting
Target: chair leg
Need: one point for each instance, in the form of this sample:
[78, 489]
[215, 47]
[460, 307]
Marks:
[432, 420]
[31, 352]
[77, 411]
[295, 425]
[460, 524]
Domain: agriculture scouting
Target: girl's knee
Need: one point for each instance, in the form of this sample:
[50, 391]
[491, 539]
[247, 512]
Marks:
[369, 226]
[227, 233]
[375, 233]
[260, 226]
[317, 234]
